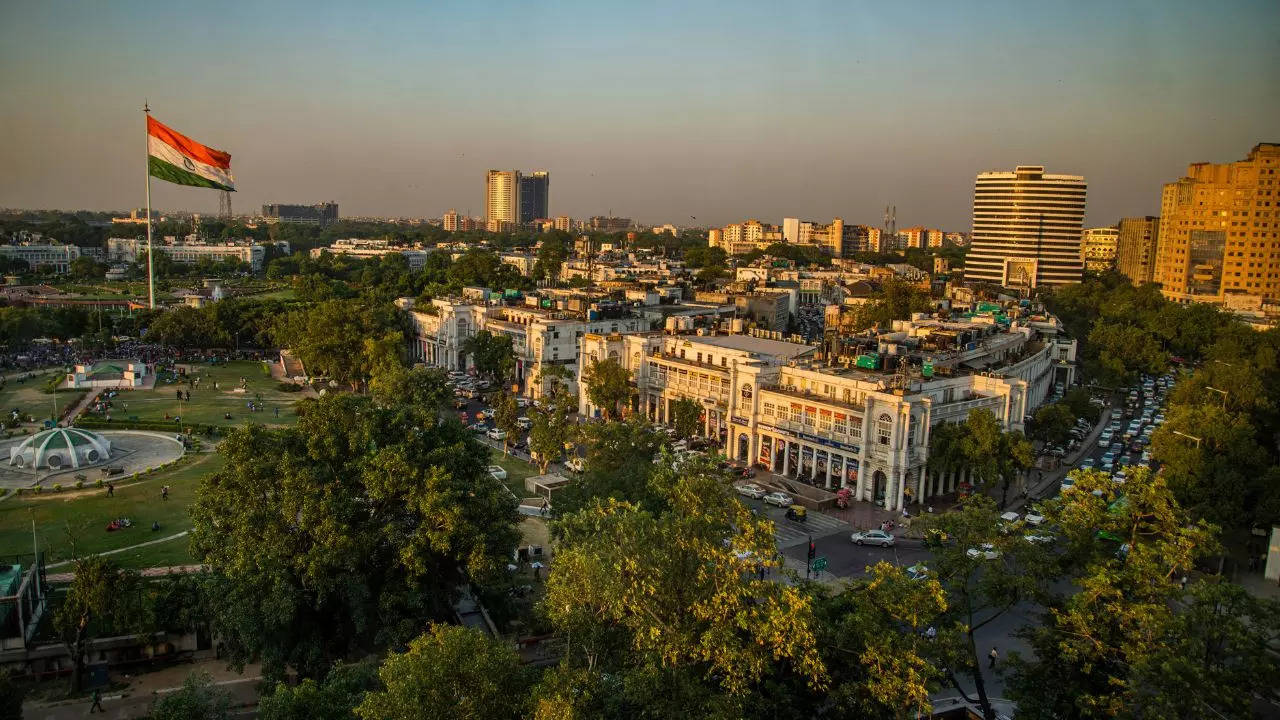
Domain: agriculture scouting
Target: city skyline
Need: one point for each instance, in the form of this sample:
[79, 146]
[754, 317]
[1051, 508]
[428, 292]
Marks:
[657, 113]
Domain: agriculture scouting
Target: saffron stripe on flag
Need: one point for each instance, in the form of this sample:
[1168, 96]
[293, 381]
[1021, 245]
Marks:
[187, 146]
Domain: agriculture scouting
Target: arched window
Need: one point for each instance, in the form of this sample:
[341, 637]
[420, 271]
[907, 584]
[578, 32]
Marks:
[746, 391]
[884, 429]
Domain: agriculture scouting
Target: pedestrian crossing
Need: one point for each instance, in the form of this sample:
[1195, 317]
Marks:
[788, 533]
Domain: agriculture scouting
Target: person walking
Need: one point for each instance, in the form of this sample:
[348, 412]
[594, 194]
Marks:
[111, 489]
[97, 703]
[164, 493]
[992, 656]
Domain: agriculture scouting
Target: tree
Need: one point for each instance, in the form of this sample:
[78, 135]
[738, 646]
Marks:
[897, 300]
[507, 416]
[670, 601]
[449, 673]
[86, 268]
[994, 456]
[491, 354]
[186, 328]
[199, 699]
[619, 465]
[551, 430]
[1053, 423]
[686, 417]
[1101, 651]
[335, 698]
[551, 254]
[330, 336]
[12, 693]
[102, 599]
[874, 642]
[608, 386]
[341, 534]
[985, 573]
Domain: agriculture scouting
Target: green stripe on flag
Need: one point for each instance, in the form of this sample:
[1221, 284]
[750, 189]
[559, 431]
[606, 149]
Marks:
[174, 174]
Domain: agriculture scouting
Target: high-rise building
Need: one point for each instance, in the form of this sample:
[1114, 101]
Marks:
[1026, 228]
[451, 221]
[912, 237]
[1136, 248]
[563, 223]
[934, 238]
[1219, 229]
[535, 192]
[501, 199]
[321, 214]
[1098, 248]
[830, 236]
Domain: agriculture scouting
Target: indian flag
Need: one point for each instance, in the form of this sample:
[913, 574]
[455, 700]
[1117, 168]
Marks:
[177, 158]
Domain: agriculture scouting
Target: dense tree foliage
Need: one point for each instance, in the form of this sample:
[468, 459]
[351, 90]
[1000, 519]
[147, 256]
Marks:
[198, 699]
[491, 353]
[686, 417]
[608, 386]
[344, 340]
[103, 599]
[344, 532]
[618, 465]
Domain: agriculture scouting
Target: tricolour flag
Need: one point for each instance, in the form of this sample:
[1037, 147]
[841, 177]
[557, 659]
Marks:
[177, 158]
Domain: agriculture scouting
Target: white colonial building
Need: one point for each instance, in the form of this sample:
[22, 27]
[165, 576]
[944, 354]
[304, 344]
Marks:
[847, 423]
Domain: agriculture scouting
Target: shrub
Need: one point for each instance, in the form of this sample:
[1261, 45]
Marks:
[57, 487]
[39, 489]
[18, 491]
[79, 484]
[98, 482]
[288, 387]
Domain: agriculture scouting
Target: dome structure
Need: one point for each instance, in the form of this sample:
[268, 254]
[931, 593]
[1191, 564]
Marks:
[60, 448]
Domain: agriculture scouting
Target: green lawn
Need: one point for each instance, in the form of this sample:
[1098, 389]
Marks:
[80, 517]
[28, 398]
[517, 471]
[209, 406]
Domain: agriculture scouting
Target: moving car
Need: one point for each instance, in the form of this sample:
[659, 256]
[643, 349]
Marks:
[750, 490]
[872, 537]
[497, 472]
[780, 499]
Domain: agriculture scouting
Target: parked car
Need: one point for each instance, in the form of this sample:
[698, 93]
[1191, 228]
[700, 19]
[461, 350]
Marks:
[750, 490]
[986, 551]
[1040, 539]
[497, 472]
[524, 423]
[479, 427]
[872, 537]
[918, 572]
[497, 434]
[780, 499]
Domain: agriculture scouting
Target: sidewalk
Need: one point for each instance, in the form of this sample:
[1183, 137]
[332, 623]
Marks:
[135, 701]
[1051, 479]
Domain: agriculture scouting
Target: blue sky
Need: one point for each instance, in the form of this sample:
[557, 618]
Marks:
[658, 111]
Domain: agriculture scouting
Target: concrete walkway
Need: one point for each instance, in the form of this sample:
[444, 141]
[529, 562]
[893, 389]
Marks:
[157, 541]
[85, 402]
[136, 700]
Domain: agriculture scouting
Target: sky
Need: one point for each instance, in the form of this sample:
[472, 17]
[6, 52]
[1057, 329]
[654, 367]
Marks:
[658, 111]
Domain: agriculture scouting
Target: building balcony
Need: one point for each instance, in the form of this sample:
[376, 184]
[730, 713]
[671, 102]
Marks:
[809, 396]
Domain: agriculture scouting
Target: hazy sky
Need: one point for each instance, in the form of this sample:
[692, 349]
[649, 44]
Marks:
[652, 110]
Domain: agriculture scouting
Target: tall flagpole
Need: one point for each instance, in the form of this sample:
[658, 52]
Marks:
[151, 281]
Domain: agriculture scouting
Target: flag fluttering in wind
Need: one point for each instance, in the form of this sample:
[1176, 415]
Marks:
[177, 158]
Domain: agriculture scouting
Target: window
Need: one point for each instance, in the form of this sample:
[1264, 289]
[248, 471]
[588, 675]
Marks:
[884, 429]
[767, 409]
[841, 425]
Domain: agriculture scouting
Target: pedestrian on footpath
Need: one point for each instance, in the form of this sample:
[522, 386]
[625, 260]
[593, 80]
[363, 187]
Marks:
[97, 703]
[993, 656]
[111, 490]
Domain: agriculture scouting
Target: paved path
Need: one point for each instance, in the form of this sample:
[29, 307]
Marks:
[85, 402]
[136, 700]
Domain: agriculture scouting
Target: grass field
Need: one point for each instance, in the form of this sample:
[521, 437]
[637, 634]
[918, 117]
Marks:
[208, 406]
[79, 517]
[28, 398]
[517, 471]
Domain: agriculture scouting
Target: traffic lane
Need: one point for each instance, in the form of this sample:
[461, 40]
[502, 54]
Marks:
[845, 559]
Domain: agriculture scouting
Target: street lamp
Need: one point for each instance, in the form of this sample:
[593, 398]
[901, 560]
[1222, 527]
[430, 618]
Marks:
[1189, 437]
[1224, 394]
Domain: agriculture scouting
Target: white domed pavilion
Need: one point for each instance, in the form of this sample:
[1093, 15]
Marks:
[59, 449]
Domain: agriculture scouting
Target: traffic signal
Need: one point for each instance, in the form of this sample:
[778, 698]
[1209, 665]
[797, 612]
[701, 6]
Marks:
[813, 550]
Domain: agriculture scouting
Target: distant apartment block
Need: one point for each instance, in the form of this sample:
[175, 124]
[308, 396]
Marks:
[1026, 228]
[1136, 248]
[601, 223]
[450, 221]
[501, 199]
[835, 237]
[535, 193]
[1098, 248]
[563, 223]
[1218, 230]
[321, 214]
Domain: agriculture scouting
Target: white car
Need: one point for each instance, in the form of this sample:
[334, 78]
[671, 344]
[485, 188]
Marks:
[1038, 539]
[524, 423]
[1034, 519]
[780, 499]
[497, 434]
[522, 402]
[872, 537]
[497, 472]
[750, 490]
[918, 572]
[986, 551]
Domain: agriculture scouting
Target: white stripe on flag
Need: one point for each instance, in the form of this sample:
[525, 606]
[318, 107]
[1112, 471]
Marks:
[166, 152]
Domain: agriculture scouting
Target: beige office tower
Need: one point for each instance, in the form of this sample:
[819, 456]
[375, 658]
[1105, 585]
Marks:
[1136, 248]
[501, 199]
[563, 223]
[1098, 248]
[1219, 230]
[451, 221]
[1026, 228]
